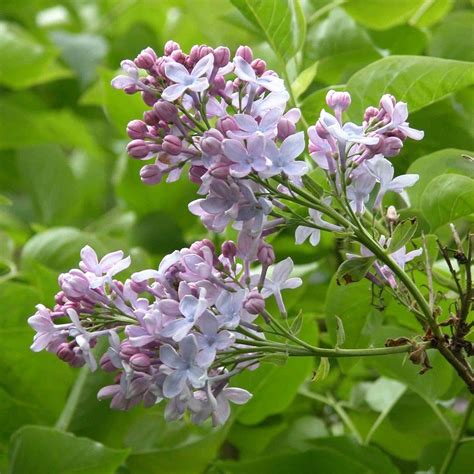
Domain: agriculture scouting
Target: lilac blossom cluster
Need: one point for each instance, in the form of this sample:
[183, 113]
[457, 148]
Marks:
[224, 118]
[177, 333]
[354, 157]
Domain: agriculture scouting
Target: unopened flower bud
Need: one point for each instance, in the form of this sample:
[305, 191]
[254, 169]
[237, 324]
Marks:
[150, 118]
[227, 124]
[65, 353]
[254, 303]
[338, 100]
[218, 85]
[245, 53]
[259, 66]
[204, 50]
[370, 113]
[265, 254]
[285, 128]
[146, 59]
[138, 149]
[151, 174]
[137, 129]
[392, 146]
[211, 146]
[127, 350]
[195, 174]
[392, 214]
[219, 171]
[172, 145]
[171, 46]
[229, 249]
[321, 131]
[178, 56]
[106, 364]
[197, 246]
[166, 111]
[140, 362]
[149, 98]
[221, 56]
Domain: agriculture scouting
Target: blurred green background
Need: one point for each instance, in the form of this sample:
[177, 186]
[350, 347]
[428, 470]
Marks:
[65, 181]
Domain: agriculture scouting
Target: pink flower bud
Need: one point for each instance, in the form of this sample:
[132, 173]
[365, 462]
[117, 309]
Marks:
[229, 249]
[211, 146]
[127, 350]
[151, 174]
[197, 246]
[392, 214]
[172, 145]
[137, 129]
[149, 98]
[370, 113]
[265, 254]
[218, 85]
[220, 171]
[221, 56]
[65, 353]
[140, 362]
[391, 146]
[338, 100]
[195, 174]
[321, 131]
[254, 302]
[259, 66]
[146, 59]
[204, 50]
[285, 128]
[227, 124]
[138, 149]
[245, 53]
[106, 364]
[166, 111]
[171, 46]
[178, 56]
[194, 54]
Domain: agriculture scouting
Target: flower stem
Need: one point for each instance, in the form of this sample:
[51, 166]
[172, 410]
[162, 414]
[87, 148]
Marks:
[66, 415]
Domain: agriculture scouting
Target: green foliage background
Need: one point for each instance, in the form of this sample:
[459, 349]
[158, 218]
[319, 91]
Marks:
[65, 181]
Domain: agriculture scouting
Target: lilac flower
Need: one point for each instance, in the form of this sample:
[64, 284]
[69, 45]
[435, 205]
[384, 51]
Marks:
[236, 395]
[181, 368]
[303, 232]
[358, 192]
[109, 265]
[383, 171]
[245, 159]
[130, 78]
[211, 339]
[184, 80]
[149, 329]
[280, 280]
[229, 304]
[245, 72]
[249, 126]
[192, 309]
[398, 114]
[83, 338]
[347, 133]
[48, 335]
[283, 159]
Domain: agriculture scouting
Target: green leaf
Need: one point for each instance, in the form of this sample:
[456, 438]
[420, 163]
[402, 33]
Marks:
[58, 248]
[281, 21]
[431, 12]
[323, 460]
[417, 80]
[376, 14]
[447, 198]
[341, 334]
[445, 41]
[322, 371]
[434, 454]
[382, 394]
[402, 39]
[45, 450]
[403, 233]
[25, 61]
[270, 395]
[50, 183]
[82, 52]
[304, 80]
[4, 201]
[435, 164]
[353, 305]
[340, 47]
[353, 270]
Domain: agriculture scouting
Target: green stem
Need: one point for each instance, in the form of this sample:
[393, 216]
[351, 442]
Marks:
[66, 415]
[457, 439]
